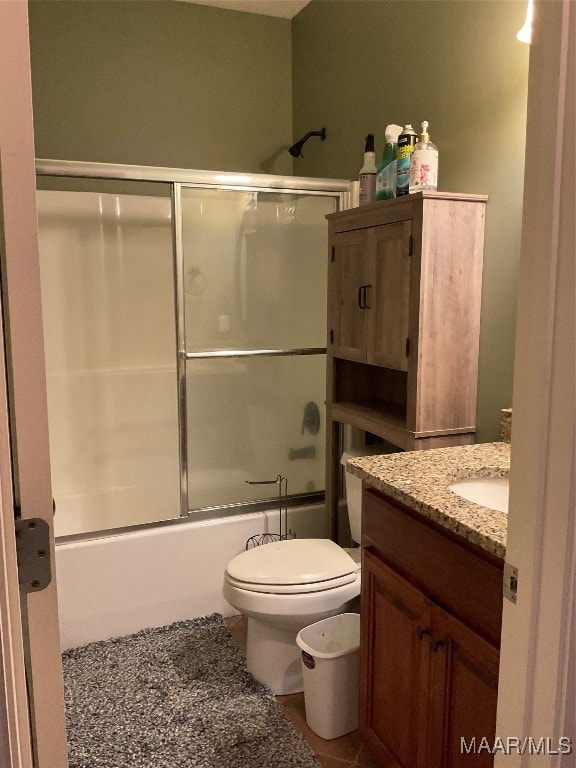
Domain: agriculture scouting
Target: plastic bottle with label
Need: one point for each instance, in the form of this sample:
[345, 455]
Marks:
[406, 142]
[424, 163]
[386, 171]
[367, 175]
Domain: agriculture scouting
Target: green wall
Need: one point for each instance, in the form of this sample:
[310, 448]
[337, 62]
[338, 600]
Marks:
[361, 64]
[176, 84]
[162, 84]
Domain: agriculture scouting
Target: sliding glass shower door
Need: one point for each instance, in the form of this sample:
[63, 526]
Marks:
[185, 332]
[254, 326]
[108, 300]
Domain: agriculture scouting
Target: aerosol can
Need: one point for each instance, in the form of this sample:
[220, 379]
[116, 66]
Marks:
[404, 150]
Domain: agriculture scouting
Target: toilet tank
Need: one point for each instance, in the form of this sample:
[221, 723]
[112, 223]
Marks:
[353, 486]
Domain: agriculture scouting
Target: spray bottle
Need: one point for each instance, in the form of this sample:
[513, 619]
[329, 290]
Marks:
[424, 163]
[406, 142]
[367, 174]
[386, 171]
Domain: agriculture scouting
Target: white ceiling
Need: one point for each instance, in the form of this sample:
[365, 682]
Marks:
[286, 9]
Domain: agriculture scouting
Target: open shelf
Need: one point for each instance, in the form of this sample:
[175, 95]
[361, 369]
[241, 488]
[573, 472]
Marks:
[380, 417]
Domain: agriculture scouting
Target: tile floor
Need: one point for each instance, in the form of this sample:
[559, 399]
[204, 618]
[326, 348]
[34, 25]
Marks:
[345, 752]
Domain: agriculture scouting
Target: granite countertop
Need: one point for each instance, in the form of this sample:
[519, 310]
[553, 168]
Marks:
[420, 480]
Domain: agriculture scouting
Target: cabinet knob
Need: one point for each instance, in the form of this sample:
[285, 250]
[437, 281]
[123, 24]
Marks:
[436, 644]
[421, 631]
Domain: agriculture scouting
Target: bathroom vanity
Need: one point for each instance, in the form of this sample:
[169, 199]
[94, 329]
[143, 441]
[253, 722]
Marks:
[432, 568]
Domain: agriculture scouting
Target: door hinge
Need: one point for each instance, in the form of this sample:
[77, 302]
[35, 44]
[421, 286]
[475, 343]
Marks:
[510, 584]
[407, 346]
[331, 336]
[410, 244]
[33, 554]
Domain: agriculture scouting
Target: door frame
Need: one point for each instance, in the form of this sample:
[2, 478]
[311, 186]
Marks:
[31, 639]
[15, 742]
[537, 680]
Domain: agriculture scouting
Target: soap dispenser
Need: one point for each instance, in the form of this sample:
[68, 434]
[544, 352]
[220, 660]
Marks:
[424, 163]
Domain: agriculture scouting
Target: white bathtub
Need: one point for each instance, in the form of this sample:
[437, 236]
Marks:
[119, 584]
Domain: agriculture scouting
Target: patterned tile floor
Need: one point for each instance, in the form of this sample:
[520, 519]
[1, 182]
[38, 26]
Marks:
[345, 752]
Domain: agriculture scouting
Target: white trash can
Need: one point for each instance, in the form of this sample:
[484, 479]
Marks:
[331, 671]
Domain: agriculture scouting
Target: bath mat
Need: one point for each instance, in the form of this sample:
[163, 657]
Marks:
[174, 697]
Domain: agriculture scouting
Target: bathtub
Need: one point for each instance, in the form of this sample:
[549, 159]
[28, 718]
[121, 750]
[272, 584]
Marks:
[120, 583]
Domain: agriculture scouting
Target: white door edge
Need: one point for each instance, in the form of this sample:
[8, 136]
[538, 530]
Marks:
[537, 682]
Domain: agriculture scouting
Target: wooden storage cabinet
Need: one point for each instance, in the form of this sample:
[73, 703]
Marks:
[429, 672]
[404, 289]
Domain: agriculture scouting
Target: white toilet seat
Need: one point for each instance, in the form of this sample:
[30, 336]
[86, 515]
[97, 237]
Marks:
[292, 589]
[292, 566]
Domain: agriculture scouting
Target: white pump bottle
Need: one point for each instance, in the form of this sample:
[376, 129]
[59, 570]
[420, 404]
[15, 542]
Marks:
[424, 163]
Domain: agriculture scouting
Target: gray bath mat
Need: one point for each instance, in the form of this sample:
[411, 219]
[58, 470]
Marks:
[174, 697]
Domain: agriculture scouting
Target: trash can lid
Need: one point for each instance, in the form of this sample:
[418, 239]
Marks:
[295, 561]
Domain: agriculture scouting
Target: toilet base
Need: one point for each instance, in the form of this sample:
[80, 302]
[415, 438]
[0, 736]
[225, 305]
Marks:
[273, 657]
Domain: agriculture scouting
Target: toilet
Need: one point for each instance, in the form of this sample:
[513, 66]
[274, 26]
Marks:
[283, 587]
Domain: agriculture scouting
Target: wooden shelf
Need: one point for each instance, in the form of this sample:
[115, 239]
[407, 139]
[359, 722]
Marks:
[381, 418]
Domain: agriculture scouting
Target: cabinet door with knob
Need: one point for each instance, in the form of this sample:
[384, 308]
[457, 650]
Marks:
[348, 286]
[463, 694]
[369, 287]
[396, 620]
[388, 295]
[431, 621]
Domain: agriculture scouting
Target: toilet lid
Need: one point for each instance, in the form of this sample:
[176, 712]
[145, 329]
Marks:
[293, 562]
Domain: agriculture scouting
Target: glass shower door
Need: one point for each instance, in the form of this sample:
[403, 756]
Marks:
[254, 294]
[108, 300]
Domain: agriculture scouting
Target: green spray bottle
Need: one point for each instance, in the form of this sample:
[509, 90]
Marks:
[386, 171]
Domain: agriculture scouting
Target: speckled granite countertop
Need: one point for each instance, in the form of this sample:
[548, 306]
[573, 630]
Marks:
[420, 480]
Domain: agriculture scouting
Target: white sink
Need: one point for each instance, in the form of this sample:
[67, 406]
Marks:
[491, 492]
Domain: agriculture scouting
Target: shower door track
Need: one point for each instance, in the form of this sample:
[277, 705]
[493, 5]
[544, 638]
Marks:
[179, 178]
[254, 353]
[210, 179]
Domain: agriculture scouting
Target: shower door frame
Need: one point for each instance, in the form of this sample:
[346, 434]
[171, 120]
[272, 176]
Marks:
[180, 179]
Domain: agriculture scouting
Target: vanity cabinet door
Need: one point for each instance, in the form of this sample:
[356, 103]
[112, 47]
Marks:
[348, 278]
[429, 683]
[394, 667]
[463, 695]
[388, 295]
